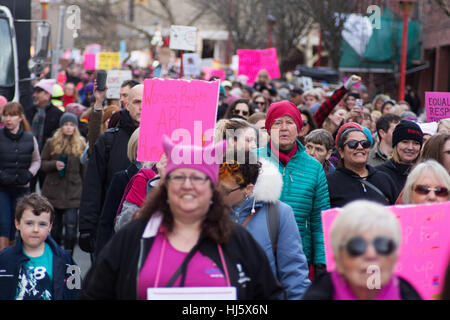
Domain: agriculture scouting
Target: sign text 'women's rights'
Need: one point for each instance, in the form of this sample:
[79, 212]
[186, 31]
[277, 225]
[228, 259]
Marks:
[425, 245]
[437, 105]
[183, 110]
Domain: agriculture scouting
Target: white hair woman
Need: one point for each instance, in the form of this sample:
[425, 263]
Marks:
[428, 182]
[365, 238]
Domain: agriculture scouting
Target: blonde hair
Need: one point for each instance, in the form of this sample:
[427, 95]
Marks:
[133, 145]
[444, 123]
[62, 144]
[421, 169]
[359, 217]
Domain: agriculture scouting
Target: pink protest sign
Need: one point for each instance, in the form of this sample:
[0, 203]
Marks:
[425, 246]
[251, 61]
[183, 110]
[437, 105]
[89, 61]
[209, 72]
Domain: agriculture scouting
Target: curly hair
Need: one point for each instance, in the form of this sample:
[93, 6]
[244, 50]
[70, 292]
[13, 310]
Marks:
[243, 171]
[62, 144]
[217, 224]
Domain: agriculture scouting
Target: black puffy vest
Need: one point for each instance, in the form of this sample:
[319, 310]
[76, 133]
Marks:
[15, 151]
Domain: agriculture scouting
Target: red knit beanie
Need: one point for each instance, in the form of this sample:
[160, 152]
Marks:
[283, 108]
[344, 127]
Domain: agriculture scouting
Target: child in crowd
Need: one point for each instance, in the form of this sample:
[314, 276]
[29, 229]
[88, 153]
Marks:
[36, 268]
[319, 145]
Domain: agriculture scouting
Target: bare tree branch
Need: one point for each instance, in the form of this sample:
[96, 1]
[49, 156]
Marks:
[444, 6]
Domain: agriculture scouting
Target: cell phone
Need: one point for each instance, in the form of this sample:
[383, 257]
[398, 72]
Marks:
[101, 80]
[359, 103]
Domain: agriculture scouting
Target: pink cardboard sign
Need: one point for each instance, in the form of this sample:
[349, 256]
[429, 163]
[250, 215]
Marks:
[437, 105]
[425, 245]
[209, 72]
[89, 61]
[252, 61]
[184, 110]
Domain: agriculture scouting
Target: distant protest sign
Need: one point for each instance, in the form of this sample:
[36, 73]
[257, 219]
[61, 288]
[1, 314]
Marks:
[114, 81]
[108, 60]
[184, 110]
[192, 64]
[437, 105]
[89, 61]
[251, 61]
[425, 245]
[183, 38]
[210, 72]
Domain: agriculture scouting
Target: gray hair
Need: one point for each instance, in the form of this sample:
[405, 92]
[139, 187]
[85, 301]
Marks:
[359, 217]
[424, 168]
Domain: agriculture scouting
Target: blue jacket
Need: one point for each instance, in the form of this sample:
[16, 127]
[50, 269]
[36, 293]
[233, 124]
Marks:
[289, 266]
[305, 190]
[12, 259]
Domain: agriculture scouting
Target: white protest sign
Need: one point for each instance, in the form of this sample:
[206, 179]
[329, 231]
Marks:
[307, 83]
[192, 64]
[114, 81]
[183, 38]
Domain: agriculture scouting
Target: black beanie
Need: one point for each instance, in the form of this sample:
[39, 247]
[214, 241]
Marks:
[68, 117]
[407, 130]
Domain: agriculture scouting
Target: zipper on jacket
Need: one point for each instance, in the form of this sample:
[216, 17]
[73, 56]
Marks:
[364, 187]
[139, 265]
[290, 177]
[306, 224]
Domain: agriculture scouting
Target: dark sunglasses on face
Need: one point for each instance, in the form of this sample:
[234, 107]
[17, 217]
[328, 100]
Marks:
[305, 122]
[357, 246]
[438, 191]
[237, 111]
[353, 144]
[260, 103]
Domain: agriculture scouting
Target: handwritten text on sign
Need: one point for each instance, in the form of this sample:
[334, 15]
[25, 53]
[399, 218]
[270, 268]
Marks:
[425, 246]
[183, 110]
[437, 105]
[252, 61]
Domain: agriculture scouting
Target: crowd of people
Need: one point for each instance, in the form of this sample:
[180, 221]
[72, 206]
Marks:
[251, 220]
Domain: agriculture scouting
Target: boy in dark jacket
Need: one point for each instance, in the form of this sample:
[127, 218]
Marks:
[36, 268]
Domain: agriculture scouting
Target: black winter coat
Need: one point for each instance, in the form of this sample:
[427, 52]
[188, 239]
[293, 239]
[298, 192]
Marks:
[397, 171]
[16, 152]
[345, 186]
[12, 259]
[112, 201]
[108, 157]
[115, 271]
[322, 289]
[51, 123]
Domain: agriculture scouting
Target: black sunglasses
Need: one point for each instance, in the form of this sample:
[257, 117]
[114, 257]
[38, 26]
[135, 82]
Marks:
[353, 144]
[260, 103]
[305, 122]
[438, 191]
[236, 112]
[357, 246]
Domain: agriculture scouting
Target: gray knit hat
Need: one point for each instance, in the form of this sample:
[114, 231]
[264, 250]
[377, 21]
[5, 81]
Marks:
[68, 117]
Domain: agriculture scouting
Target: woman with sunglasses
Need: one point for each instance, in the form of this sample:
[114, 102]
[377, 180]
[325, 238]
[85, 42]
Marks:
[252, 188]
[259, 102]
[365, 239]
[241, 108]
[428, 182]
[407, 140]
[183, 237]
[309, 124]
[354, 178]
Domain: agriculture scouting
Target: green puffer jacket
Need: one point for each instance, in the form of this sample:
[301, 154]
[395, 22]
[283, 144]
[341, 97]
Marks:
[305, 190]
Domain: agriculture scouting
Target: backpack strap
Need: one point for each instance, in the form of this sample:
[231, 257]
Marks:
[273, 224]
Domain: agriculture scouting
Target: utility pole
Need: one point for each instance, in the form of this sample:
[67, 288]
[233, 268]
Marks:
[57, 53]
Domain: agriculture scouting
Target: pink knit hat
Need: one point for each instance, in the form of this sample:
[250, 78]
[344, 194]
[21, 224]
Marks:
[46, 85]
[206, 160]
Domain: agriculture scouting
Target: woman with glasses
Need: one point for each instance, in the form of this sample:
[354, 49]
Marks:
[252, 188]
[259, 102]
[241, 108]
[407, 140]
[365, 239]
[354, 178]
[309, 124]
[428, 182]
[184, 237]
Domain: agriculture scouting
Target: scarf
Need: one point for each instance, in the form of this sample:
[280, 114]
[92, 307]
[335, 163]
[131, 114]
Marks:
[37, 126]
[283, 157]
[342, 291]
[14, 136]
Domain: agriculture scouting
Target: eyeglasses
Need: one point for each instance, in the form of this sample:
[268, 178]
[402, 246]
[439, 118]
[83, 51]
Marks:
[238, 111]
[357, 246]
[438, 191]
[353, 144]
[261, 103]
[305, 122]
[228, 192]
[195, 180]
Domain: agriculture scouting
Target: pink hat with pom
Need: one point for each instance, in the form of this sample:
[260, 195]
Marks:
[206, 160]
[46, 85]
